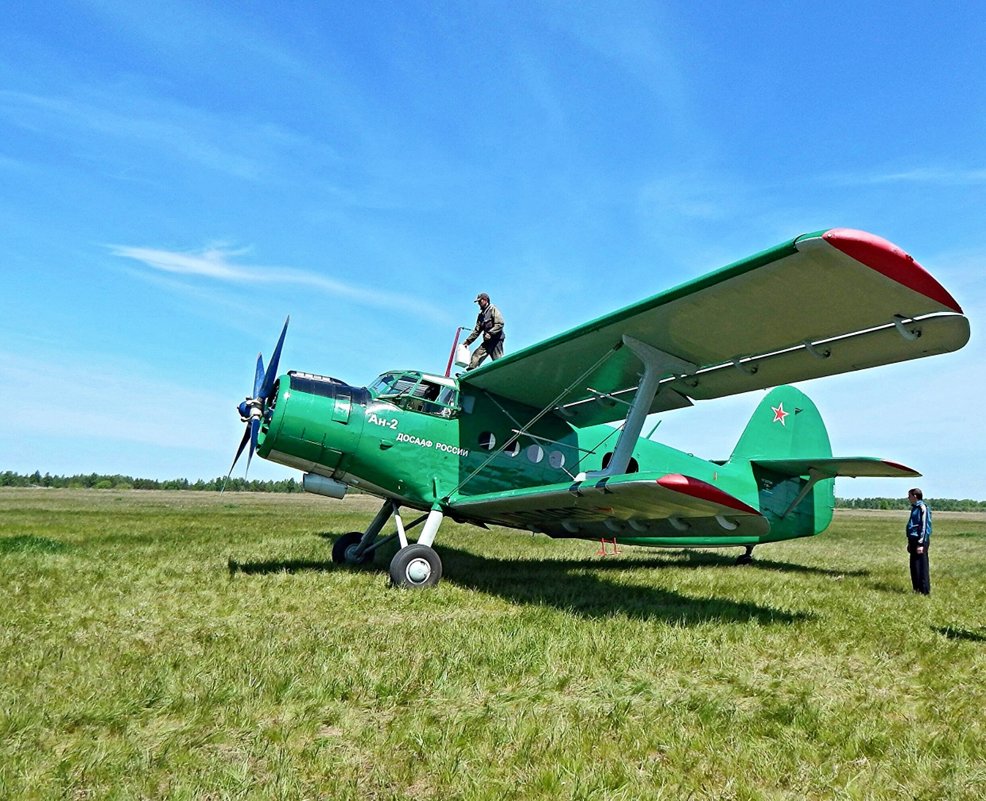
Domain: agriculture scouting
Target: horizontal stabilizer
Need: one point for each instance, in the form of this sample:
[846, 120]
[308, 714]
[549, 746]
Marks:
[834, 467]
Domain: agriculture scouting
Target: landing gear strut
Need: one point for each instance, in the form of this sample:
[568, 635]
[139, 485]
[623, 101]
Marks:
[415, 565]
[745, 558]
[346, 551]
[355, 548]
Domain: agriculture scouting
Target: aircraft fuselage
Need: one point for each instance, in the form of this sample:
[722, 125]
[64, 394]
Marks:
[419, 440]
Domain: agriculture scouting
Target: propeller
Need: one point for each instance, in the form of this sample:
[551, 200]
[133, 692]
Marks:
[253, 407]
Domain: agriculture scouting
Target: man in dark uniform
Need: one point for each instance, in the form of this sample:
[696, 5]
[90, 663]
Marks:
[918, 541]
[489, 326]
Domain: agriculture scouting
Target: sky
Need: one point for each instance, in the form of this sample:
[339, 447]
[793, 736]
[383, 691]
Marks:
[176, 178]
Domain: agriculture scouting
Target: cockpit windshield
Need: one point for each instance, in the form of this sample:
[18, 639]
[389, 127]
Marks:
[417, 392]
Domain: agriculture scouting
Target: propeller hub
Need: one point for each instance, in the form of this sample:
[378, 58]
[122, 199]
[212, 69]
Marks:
[252, 408]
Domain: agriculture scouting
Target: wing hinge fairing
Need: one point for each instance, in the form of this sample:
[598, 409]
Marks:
[923, 336]
[854, 351]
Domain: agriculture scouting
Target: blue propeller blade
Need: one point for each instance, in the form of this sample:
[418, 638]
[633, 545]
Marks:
[271, 375]
[263, 385]
[254, 428]
[243, 442]
[258, 379]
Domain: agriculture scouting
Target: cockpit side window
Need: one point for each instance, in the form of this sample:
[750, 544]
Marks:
[435, 399]
[416, 393]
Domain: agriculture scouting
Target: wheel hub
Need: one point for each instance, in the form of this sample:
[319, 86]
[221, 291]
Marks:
[418, 571]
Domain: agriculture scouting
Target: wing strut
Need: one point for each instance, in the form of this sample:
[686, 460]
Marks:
[657, 365]
[524, 429]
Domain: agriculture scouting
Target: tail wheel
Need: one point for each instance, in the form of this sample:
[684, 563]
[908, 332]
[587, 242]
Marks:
[344, 550]
[745, 558]
[415, 567]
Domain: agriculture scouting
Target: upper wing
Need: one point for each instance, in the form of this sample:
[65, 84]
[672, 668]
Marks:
[629, 505]
[823, 303]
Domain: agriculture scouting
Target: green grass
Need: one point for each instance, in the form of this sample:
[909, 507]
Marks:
[186, 645]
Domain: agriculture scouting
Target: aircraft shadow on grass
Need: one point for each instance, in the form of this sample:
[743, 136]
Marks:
[695, 558]
[579, 586]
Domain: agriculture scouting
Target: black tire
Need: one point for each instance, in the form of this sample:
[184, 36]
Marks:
[744, 559]
[415, 567]
[343, 550]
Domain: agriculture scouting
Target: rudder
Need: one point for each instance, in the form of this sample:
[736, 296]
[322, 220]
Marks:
[787, 425]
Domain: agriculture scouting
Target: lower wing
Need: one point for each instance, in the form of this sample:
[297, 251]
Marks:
[630, 505]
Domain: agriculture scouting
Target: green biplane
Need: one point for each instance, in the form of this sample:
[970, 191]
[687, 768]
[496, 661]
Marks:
[534, 441]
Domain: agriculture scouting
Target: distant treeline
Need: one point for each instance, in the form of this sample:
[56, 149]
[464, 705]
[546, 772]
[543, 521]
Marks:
[9, 478]
[99, 481]
[939, 504]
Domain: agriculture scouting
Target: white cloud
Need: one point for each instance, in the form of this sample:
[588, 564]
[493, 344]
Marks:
[186, 134]
[215, 262]
[932, 176]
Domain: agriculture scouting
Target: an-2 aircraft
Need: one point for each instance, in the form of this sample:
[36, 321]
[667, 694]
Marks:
[528, 441]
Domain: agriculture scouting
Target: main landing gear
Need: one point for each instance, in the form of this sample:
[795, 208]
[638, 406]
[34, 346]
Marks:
[745, 558]
[414, 566]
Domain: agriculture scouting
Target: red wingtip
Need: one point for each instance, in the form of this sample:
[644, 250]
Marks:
[902, 467]
[702, 490]
[888, 259]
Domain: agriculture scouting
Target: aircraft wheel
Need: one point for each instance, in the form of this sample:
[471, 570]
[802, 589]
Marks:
[344, 550]
[744, 559]
[415, 567]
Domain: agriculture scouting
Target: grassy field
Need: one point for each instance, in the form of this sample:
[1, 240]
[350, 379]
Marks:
[186, 645]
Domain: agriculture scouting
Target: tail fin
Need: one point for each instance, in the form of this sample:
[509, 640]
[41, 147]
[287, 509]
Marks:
[787, 448]
[786, 425]
[783, 441]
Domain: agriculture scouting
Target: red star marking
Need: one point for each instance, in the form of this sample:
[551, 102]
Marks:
[779, 413]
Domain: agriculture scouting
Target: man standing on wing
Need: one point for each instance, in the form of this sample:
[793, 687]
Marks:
[489, 325]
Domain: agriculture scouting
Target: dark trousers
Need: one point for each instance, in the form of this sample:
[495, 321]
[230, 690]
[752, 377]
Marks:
[493, 349]
[920, 571]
